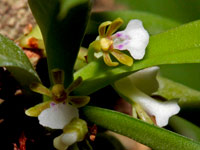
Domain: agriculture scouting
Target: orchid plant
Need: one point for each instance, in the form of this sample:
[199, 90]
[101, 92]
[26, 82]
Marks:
[133, 52]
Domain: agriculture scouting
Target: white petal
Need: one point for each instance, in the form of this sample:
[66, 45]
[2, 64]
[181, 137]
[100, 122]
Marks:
[145, 80]
[134, 39]
[161, 110]
[57, 116]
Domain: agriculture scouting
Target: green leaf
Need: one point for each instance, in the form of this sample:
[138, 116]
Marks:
[150, 135]
[186, 74]
[181, 10]
[62, 23]
[177, 46]
[188, 97]
[185, 127]
[14, 59]
[184, 84]
[153, 23]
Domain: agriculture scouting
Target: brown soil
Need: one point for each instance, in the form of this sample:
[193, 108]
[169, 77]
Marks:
[15, 15]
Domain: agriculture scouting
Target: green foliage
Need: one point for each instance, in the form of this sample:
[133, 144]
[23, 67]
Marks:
[14, 59]
[176, 46]
[187, 97]
[181, 10]
[185, 127]
[152, 23]
[152, 136]
[184, 84]
[62, 24]
[186, 74]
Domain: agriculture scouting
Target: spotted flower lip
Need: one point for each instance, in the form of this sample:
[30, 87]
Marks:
[142, 84]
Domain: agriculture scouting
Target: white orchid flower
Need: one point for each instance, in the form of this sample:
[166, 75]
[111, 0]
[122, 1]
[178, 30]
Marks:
[134, 39]
[138, 86]
[62, 107]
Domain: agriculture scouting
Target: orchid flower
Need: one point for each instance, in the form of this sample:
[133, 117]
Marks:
[75, 131]
[134, 39]
[138, 87]
[62, 108]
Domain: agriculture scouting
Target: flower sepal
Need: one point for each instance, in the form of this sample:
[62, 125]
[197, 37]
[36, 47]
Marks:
[37, 109]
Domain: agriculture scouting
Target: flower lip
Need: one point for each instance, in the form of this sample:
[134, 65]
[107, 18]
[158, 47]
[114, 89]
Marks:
[58, 115]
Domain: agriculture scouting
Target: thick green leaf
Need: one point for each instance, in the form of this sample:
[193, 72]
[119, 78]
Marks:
[188, 98]
[14, 59]
[150, 135]
[184, 84]
[186, 74]
[181, 10]
[176, 46]
[153, 23]
[185, 127]
[62, 23]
